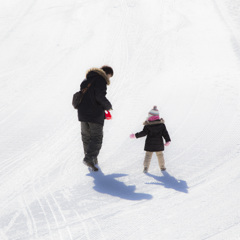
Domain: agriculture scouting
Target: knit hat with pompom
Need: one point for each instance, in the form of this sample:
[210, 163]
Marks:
[153, 114]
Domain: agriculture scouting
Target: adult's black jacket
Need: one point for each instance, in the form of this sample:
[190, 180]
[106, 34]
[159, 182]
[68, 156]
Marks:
[155, 132]
[94, 103]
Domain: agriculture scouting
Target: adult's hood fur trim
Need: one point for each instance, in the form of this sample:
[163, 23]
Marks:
[101, 73]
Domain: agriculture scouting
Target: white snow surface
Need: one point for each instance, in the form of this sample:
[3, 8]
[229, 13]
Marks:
[183, 56]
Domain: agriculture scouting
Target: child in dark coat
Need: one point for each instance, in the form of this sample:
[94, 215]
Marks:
[155, 130]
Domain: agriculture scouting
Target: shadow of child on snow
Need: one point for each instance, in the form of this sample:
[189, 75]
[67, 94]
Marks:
[107, 184]
[169, 181]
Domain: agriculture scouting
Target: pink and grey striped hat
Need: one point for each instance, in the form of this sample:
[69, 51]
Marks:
[153, 114]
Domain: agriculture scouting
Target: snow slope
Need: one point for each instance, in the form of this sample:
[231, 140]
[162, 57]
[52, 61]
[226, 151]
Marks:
[182, 56]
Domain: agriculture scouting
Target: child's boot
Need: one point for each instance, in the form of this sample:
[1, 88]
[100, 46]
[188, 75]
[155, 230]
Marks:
[145, 170]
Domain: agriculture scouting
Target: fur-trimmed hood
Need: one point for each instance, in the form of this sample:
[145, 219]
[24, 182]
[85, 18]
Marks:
[153, 122]
[100, 72]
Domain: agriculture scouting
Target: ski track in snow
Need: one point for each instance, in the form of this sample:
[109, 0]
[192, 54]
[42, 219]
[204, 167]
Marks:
[164, 53]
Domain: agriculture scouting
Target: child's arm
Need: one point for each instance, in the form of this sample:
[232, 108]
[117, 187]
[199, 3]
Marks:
[143, 133]
[166, 135]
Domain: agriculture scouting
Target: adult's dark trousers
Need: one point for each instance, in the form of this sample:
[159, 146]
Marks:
[92, 136]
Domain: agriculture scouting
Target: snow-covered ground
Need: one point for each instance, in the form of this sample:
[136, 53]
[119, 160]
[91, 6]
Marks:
[183, 56]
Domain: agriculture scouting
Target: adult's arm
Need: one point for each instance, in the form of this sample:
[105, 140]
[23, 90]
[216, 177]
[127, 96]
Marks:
[100, 94]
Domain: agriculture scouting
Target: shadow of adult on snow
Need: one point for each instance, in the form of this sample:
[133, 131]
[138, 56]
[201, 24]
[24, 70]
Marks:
[108, 184]
[169, 181]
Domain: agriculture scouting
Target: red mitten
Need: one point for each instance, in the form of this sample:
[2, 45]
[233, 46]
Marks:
[108, 115]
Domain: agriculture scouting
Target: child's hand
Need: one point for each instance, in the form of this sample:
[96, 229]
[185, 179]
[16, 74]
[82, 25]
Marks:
[132, 135]
[167, 144]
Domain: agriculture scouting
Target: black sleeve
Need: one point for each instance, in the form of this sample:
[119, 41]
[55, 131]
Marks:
[100, 94]
[143, 133]
[83, 84]
[166, 135]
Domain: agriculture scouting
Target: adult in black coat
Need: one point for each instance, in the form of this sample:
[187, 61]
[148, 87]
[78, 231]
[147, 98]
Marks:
[94, 103]
[91, 112]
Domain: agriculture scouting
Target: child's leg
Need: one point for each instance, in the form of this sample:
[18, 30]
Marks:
[147, 160]
[161, 160]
